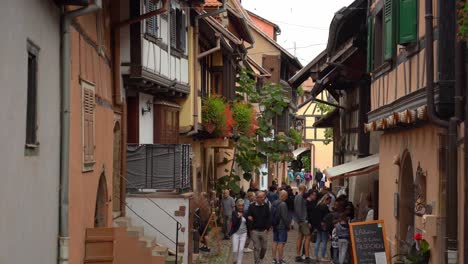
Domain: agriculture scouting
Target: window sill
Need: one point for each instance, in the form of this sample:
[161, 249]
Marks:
[88, 166]
[156, 40]
[31, 149]
[178, 53]
[382, 69]
[410, 48]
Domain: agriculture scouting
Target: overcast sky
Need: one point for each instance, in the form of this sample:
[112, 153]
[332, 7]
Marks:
[304, 22]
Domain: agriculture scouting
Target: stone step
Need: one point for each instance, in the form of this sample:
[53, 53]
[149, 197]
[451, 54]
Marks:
[147, 241]
[135, 231]
[100, 260]
[116, 214]
[122, 222]
[172, 260]
[160, 251]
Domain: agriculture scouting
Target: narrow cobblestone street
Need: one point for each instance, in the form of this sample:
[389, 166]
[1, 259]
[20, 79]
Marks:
[289, 252]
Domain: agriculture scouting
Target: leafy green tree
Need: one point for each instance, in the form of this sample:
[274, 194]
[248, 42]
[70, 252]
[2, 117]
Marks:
[250, 150]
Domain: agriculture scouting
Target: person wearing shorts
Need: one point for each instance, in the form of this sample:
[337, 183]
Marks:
[280, 231]
[303, 226]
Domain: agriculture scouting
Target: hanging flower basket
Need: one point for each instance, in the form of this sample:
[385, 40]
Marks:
[244, 117]
[216, 116]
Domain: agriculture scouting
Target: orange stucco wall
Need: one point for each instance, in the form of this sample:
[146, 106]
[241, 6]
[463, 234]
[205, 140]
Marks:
[86, 64]
[422, 144]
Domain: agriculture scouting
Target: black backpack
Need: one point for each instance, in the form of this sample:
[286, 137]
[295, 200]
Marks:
[275, 214]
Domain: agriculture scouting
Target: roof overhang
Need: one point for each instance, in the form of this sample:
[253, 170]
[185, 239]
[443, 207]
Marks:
[302, 75]
[346, 23]
[240, 23]
[357, 167]
[256, 68]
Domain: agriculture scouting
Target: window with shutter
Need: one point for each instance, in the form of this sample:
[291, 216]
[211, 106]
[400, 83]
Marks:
[88, 106]
[31, 106]
[370, 43]
[173, 27]
[389, 30]
[151, 23]
[407, 21]
[182, 31]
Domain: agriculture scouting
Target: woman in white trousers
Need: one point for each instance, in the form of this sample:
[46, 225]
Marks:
[238, 232]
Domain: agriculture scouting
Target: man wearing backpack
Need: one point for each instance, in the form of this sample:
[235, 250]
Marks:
[259, 221]
[280, 223]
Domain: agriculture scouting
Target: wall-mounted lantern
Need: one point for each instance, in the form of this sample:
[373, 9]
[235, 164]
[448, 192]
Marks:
[420, 203]
[147, 109]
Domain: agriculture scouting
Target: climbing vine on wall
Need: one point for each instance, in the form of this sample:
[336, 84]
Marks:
[325, 109]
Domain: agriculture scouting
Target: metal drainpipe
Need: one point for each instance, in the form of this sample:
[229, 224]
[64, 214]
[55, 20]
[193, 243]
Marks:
[465, 227]
[460, 84]
[451, 198]
[66, 20]
[197, 65]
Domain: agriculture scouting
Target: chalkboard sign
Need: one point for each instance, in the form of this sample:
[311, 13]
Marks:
[368, 242]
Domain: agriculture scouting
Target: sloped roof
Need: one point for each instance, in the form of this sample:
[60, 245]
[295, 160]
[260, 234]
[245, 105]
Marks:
[275, 26]
[305, 72]
[236, 5]
[212, 3]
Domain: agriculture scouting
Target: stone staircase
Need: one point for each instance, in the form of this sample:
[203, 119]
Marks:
[149, 242]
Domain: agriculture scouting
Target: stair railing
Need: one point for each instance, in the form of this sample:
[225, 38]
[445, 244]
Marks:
[178, 224]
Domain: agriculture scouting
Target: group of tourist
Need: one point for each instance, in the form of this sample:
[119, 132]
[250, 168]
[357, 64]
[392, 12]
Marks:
[305, 177]
[319, 215]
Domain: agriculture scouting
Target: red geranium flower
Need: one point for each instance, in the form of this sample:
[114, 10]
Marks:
[418, 237]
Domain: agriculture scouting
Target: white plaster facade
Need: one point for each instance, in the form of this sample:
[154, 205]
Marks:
[146, 119]
[29, 188]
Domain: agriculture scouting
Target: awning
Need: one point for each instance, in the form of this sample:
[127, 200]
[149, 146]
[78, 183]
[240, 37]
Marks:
[354, 168]
[299, 151]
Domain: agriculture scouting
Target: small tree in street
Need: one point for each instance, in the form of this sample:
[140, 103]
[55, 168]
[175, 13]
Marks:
[257, 139]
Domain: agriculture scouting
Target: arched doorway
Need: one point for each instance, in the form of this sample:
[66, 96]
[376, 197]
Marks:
[117, 158]
[406, 202]
[100, 212]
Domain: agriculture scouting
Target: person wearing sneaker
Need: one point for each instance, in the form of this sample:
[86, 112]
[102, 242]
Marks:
[238, 231]
[303, 226]
[280, 223]
[259, 225]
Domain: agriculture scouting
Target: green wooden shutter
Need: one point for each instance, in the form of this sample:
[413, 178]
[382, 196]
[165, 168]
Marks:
[389, 30]
[407, 21]
[370, 43]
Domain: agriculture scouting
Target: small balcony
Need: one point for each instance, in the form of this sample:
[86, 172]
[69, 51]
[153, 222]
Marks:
[158, 168]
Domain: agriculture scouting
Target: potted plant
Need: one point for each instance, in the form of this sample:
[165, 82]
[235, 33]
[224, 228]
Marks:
[419, 253]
